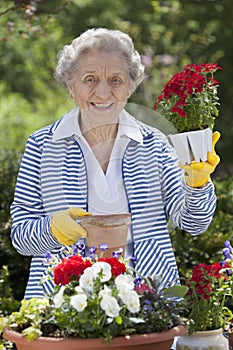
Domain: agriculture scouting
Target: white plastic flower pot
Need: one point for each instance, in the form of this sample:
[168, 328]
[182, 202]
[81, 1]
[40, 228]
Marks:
[205, 340]
[192, 145]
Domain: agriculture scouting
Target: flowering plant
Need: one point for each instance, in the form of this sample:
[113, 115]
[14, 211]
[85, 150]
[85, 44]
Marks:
[209, 287]
[189, 99]
[97, 297]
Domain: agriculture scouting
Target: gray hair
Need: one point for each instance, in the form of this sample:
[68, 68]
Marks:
[104, 40]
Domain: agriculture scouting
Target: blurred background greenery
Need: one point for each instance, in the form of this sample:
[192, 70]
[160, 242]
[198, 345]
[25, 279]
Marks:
[168, 34]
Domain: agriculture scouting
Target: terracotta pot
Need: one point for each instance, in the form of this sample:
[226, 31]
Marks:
[192, 145]
[205, 340]
[110, 229]
[153, 341]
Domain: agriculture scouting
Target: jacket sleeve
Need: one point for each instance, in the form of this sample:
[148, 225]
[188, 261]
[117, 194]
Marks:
[191, 209]
[30, 232]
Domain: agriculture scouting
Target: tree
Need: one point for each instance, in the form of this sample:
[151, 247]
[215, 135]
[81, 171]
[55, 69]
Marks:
[169, 34]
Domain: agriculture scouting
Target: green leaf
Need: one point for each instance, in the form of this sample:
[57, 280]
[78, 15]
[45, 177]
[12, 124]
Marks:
[176, 291]
[31, 333]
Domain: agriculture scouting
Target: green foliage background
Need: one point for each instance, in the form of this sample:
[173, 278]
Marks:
[168, 33]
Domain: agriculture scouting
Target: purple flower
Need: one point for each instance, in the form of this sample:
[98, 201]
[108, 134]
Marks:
[81, 246]
[92, 251]
[148, 305]
[227, 244]
[75, 249]
[48, 257]
[103, 247]
[133, 258]
[117, 253]
[137, 281]
[227, 253]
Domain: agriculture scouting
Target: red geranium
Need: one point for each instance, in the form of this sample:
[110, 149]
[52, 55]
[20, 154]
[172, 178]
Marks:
[117, 267]
[73, 267]
[203, 276]
[209, 287]
[69, 269]
[189, 99]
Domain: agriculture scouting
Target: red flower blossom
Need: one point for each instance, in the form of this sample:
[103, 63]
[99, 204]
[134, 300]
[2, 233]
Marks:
[117, 267]
[203, 275]
[192, 95]
[73, 267]
[69, 269]
[210, 289]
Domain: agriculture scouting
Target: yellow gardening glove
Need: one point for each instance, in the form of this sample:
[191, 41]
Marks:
[64, 227]
[198, 174]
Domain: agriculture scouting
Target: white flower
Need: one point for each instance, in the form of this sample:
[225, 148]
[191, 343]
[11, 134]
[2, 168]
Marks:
[125, 284]
[125, 281]
[109, 320]
[78, 289]
[79, 302]
[137, 320]
[110, 306]
[58, 298]
[105, 292]
[102, 270]
[86, 280]
[132, 302]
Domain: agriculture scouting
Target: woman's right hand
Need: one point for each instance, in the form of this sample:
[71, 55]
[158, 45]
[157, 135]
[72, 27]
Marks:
[64, 227]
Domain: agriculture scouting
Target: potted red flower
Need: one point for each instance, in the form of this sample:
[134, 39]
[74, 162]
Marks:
[207, 313]
[189, 101]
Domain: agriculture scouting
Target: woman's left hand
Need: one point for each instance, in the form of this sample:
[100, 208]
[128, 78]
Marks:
[198, 174]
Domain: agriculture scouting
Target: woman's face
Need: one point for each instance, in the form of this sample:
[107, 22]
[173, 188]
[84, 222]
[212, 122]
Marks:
[101, 85]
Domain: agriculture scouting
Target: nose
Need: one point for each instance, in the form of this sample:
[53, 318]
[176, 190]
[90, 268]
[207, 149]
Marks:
[103, 89]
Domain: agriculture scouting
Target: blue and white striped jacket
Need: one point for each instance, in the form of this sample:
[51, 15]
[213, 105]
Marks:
[53, 177]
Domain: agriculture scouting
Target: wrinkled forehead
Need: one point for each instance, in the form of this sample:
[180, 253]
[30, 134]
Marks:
[102, 63]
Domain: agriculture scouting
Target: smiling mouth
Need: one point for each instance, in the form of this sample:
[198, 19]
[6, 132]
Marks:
[101, 105]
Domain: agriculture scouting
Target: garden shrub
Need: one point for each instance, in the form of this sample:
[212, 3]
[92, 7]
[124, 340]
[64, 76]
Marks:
[13, 266]
[8, 303]
[207, 247]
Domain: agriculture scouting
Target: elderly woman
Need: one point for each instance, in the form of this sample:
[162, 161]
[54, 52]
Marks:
[100, 159]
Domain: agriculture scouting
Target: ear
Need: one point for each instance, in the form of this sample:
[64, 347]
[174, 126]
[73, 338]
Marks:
[71, 91]
[129, 94]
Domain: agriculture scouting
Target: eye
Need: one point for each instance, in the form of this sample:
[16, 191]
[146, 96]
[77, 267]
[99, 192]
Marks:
[116, 80]
[90, 79]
